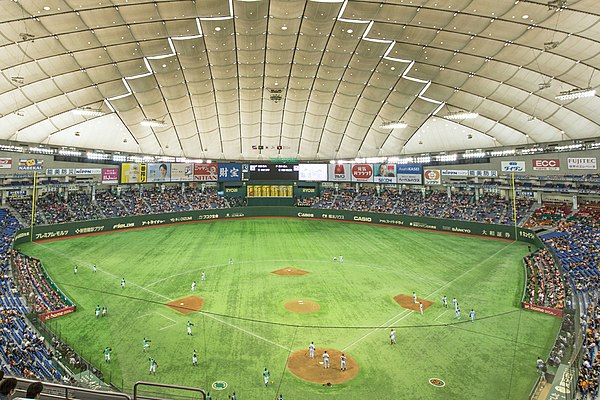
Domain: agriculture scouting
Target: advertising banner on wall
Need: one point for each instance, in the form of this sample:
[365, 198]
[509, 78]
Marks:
[546, 165]
[513, 166]
[385, 173]
[206, 172]
[110, 175]
[362, 172]
[73, 171]
[455, 172]
[182, 172]
[159, 172]
[229, 172]
[133, 173]
[483, 172]
[432, 177]
[312, 172]
[409, 174]
[30, 164]
[340, 172]
[582, 163]
[5, 163]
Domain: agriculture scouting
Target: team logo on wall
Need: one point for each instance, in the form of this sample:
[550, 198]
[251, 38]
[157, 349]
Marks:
[432, 177]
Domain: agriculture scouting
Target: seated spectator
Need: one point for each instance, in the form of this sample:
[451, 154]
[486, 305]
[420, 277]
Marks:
[33, 391]
[7, 388]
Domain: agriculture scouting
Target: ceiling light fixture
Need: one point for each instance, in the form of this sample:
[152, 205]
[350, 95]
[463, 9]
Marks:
[88, 112]
[461, 115]
[393, 125]
[153, 123]
[576, 94]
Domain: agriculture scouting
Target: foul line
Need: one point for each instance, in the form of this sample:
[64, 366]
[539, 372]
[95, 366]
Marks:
[164, 316]
[64, 255]
[436, 318]
[246, 331]
[385, 324]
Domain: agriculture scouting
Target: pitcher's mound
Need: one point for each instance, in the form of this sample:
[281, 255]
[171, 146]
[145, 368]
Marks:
[289, 271]
[408, 302]
[302, 306]
[312, 370]
[187, 304]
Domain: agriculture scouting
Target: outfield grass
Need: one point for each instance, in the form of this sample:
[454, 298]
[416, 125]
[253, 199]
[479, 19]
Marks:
[244, 327]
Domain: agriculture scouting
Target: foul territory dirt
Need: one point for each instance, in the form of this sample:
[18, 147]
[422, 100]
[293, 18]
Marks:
[408, 302]
[186, 305]
[312, 370]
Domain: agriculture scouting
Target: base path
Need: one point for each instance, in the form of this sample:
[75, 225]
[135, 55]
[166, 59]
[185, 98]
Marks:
[289, 271]
[302, 306]
[408, 302]
[312, 370]
[186, 305]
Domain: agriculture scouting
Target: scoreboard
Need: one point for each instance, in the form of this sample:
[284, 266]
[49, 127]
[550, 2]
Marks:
[272, 172]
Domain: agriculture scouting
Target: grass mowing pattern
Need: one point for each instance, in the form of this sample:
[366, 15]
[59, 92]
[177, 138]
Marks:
[493, 357]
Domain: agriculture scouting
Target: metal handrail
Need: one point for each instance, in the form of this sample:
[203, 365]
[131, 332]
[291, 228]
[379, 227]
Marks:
[163, 385]
[60, 391]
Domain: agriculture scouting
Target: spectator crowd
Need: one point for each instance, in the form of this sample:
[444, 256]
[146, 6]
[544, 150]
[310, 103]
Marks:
[23, 352]
[462, 205]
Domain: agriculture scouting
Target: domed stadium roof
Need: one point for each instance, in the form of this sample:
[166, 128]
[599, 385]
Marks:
[305, 79]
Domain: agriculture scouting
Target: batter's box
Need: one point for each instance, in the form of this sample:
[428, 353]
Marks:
[186, 305]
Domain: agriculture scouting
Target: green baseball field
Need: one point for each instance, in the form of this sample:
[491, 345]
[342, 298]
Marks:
[286, 288]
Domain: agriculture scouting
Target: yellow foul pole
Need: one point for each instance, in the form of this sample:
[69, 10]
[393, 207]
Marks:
[33, 200]
[514, 193]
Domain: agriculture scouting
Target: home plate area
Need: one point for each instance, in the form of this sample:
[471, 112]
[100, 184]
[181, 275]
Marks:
[186, 305]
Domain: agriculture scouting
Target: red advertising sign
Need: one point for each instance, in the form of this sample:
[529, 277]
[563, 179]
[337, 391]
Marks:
[5, 163]
[58, 313]
[110, 175]
[362, 173]
[546, 165]
[555, 312]
[206, 172]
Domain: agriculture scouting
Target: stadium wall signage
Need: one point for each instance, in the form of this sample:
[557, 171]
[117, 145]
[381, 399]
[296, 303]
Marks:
[60, 231]
[555, 312]
[546, 165]
[513, 166]
[582, 163]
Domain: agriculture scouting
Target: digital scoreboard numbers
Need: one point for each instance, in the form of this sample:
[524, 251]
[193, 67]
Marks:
[273, 172]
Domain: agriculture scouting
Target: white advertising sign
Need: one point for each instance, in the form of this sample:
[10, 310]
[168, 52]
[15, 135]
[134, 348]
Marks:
[582, 163]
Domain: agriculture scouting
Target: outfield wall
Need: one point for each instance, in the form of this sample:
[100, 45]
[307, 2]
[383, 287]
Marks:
[45, 232]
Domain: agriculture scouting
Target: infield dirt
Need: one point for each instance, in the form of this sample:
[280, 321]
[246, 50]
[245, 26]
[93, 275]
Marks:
[312, 370]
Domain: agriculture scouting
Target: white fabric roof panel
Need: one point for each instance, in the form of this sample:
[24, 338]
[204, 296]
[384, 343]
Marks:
[213, 71]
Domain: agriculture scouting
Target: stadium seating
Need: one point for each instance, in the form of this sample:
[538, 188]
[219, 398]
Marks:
[545, 284]
[25, 353]
[576, 243]
[53, 208]
[490, 208]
